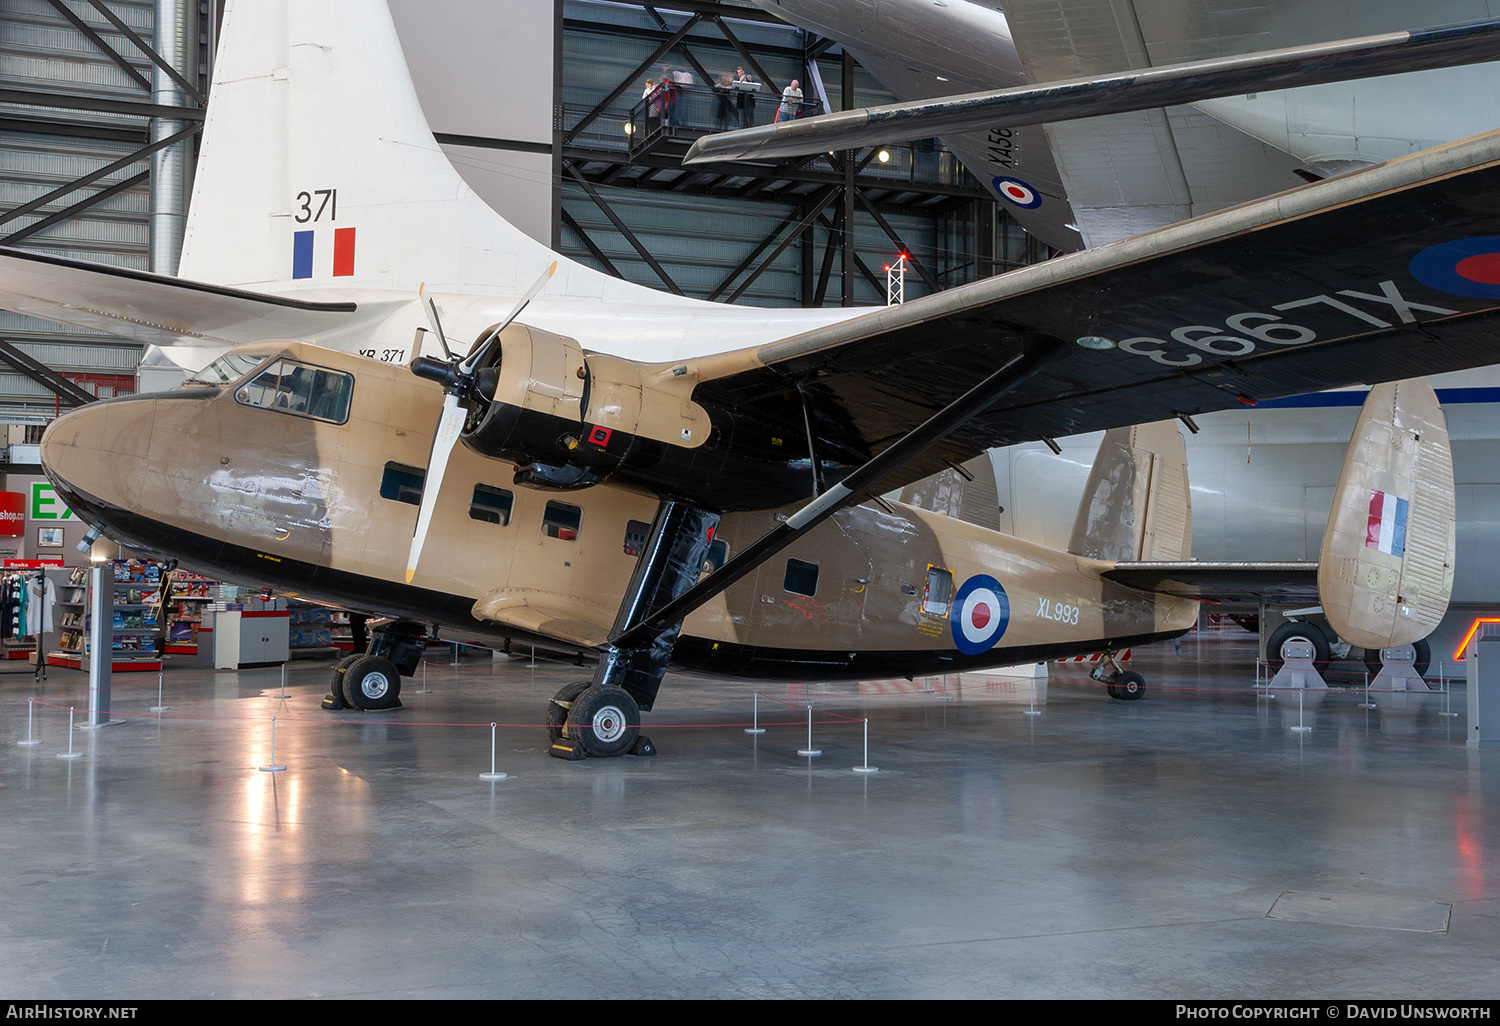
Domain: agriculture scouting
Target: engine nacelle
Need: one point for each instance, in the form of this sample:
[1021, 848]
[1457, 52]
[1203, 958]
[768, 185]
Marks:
[573, 420]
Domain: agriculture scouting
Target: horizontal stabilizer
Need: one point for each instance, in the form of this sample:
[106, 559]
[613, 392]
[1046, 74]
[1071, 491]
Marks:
[157, 309]
[1233, 581]
[1386, 568]
[1388, 53]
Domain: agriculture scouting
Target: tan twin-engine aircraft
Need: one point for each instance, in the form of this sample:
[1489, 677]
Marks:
[663, 482]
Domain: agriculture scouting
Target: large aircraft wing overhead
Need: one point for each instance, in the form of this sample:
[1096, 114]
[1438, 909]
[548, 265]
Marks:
[157, 309]
[1114, 80]
[1387, 273]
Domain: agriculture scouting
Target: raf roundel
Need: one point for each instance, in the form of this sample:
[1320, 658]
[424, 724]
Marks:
[981, 612]
[1463, 267]
[1013, 190]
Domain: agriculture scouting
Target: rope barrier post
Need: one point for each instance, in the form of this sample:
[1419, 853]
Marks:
[1033, 711]
[273, 767]
[159, 707]
[1299, 728]
[945, 697]
[809, 750]
[1367, 704]
[755, 727]
[30, 740]
[425, 690]
[70, 754]
[283, 694]
[866, 767]
[492, 775]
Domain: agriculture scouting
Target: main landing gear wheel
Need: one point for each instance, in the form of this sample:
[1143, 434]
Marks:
[1298, 631]
[605, 720]
[371, 682]
[1128, 686]
[557, 708]
[1420, 664]
[335, 699]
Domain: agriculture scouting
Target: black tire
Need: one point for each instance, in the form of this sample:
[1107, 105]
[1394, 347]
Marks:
[560, 703]
[1420, 664]
[1298, 631]
[1128, 686]
[1109, 689]
[605, 720]
[336, 684]
[372, 682]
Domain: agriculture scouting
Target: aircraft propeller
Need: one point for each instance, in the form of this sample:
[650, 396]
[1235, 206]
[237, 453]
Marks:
[457, 378]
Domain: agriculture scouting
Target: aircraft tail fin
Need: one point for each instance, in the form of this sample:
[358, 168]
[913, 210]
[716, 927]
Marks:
[966, 493]
[318, 170]
[1385, 571]
[1136, 504]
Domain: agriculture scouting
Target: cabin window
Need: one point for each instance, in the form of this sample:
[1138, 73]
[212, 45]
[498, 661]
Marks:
[402, 483]
[801, 577]
[492, 505]
[560, 520]
[291, 387]
[939, 594]
[637, 532]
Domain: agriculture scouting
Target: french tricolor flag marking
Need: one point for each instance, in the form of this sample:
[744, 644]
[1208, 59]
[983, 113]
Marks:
[343, 253]
[1387, 527]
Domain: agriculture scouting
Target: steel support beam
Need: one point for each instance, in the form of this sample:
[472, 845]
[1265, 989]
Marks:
[83, 204]
[630, 79]
[815, 208]
[43, 375]
[588, 244]
[145, 48]
[98, 40]
[621, 227]
[891, 233]
[94, 176]
[798, 217]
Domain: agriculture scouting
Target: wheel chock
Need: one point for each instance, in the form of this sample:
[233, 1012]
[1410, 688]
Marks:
[333, 703]
[567, 748]
[642, 747]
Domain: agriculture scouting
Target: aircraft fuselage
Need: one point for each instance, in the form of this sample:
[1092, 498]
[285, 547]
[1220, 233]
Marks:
[324, 510]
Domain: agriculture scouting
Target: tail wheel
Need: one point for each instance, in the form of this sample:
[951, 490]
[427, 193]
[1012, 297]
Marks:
[371, 682]
[557, 708]
[605, 720]
[1128, 686]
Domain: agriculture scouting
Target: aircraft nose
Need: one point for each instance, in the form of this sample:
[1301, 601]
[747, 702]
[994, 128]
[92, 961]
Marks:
[95, 454]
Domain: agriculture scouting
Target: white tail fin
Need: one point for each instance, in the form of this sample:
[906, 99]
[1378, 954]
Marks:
[1386, 568]
[318, 171]
[1136, 504]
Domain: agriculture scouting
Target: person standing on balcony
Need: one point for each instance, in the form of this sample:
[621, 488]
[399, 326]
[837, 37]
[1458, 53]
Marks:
[725, 116]
[791, 102]
[745, 101]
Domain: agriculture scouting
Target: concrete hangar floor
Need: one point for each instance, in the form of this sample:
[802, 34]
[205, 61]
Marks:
[1190, 845]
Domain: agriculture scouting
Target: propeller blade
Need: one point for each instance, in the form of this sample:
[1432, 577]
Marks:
[449, 426]
[531, 293]
[434, 320]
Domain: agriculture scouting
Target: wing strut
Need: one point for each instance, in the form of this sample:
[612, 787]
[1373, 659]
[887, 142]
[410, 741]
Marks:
[1040, 351]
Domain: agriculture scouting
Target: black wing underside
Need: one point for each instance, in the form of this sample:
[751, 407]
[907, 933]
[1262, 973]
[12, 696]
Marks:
[1331, 285]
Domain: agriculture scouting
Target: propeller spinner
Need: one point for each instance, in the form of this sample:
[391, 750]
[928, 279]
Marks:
[457, 378]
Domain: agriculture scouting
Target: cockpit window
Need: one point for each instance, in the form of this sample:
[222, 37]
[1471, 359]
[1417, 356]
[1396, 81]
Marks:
[227, 369]
[293, 387]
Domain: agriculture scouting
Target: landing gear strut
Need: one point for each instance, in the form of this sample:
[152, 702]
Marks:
[602, 717]
[1126, 685]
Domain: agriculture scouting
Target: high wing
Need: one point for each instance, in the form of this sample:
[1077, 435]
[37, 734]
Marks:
[158, 309]
[1346, 281]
